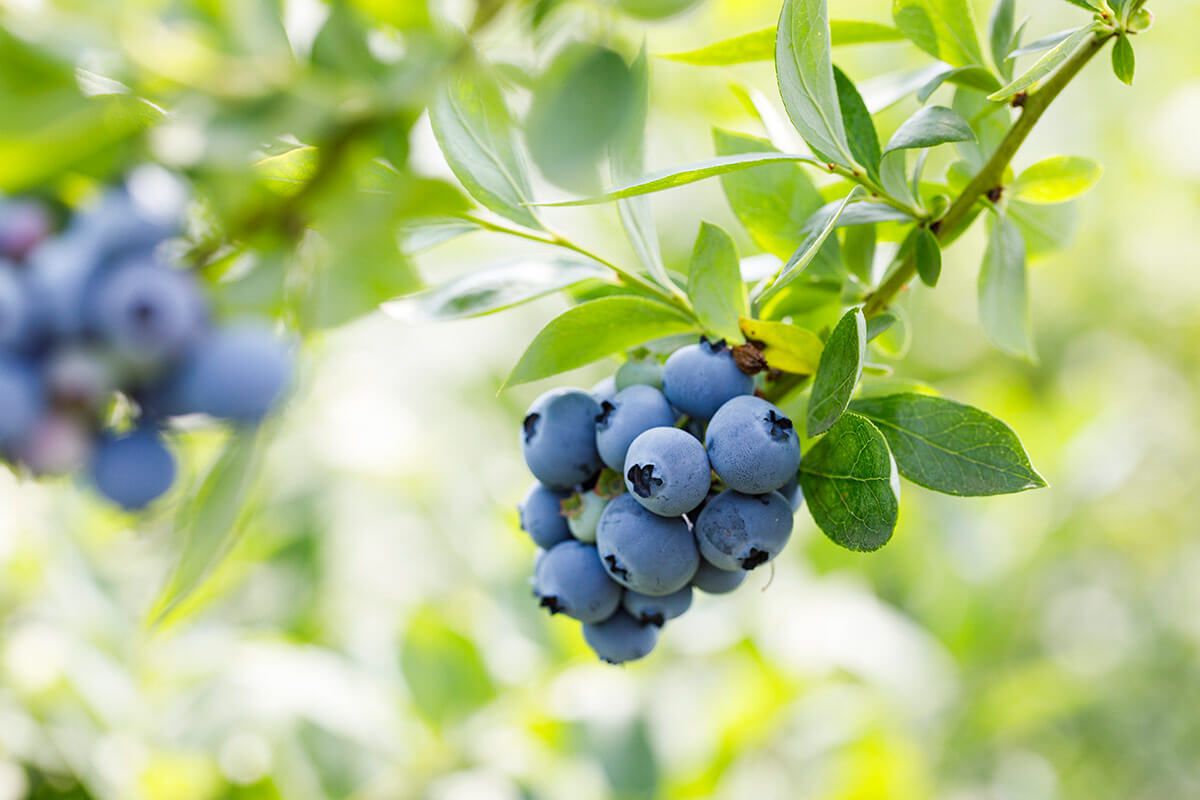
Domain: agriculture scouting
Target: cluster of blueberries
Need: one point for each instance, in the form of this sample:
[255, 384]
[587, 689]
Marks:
[661, 480]
[104, 339]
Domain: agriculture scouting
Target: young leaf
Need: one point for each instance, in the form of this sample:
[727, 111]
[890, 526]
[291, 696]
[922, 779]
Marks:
[475, 132]
[851, 486]
[928, 253]
[1001, 29]
[209, 521]
[838, 373]
[786, 347]
[715, 284]
[804, 68]
[588, 332]
[949, 447]
[627, 162]
[772, 202]
[1047, 64]
[860, 128]
[817, 231]
[690, 173]
[1043, 44]
[1057, 180]
[930, 127]
[495, 289]
[972, 77]
[1123, 60]
[943, 28]
[1003, 293]
[760, 45]
[1046, 229]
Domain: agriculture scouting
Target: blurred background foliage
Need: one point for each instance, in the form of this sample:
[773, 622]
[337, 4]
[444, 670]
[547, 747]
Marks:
[371, 634]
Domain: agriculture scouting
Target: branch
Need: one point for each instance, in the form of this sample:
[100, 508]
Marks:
[992, 175]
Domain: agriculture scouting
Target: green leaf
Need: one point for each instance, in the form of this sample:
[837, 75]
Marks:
[495, 288]
[943, 28]
[860, 128]
[858, 251]
[930, 127]
[476, 134]
[928, 253]
[681, 176]
[1123, 60]
[1046, 229]
[1043, 44]
[580, 104]
[593, 330]
[715, 284]
[446, 676]
[425, 234]
[1001, 30]
[973, 77]
[655, 9]
[851, 486]
[210, 520]
[627, 162]
[772, 202]
[1003, 293]
[817, 231]
[804, 68]
[1057, 180]
[760, 45]
[949, 447]
[1084, 4]
[839, 372]
[786, 347]
[885, 91]
[1047, 64]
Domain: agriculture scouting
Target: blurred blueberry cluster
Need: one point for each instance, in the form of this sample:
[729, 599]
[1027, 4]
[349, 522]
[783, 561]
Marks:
[104, 338]
[662, 479]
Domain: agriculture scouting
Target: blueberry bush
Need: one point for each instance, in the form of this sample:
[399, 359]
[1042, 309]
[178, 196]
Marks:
[697, 430]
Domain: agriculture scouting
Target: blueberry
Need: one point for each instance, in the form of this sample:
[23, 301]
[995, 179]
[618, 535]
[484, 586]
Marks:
[645, 552]
[79, 378]
[583, 511]
[542, 518]
[239, 372]
[667, 471]
[713, 580]
[752, 446]
[133, 470]
[23, 226]
[620, 638]
[605, 389]
[657, 610]
[570, 580]
[792, 492]
[147, 311]
[700, 378]
[629, 414]
[60, 274]
[741, 531]
[639, 372]
[17, 311]
[21, 400]
[559, 438]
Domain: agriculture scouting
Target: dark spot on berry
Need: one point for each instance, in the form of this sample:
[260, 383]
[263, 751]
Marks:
[652, 619]
[781, 426]
[765, 499]
[551, 603]
[756, 558]
[719, 346]
[615, 567]
[531, 425]
[643, 480]
[143, 312]
[605, 415]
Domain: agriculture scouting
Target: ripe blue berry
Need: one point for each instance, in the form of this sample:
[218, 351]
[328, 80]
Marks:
[23, 226]
[741, 531]
[17, 313]
[559, 438]
[626, 416]
[667, 471]
[620, 638]
[752, 446]
[21, 400]
[645, 552]
[657, 610]
[239, 373]
[148, 312]
[713, 580]
[133, 470]
[570, 580]
[542, 518]
[792, 492]
[700, 378]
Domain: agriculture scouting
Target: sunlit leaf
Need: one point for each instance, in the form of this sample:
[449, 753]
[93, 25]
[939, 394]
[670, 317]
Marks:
[444, 671]
[786, 347]
[715, 284]
[839, 372]
[943, 28]
[1057, 180]
[760, 45]
[804, 68]
[1047, 64]
[1003, 293]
